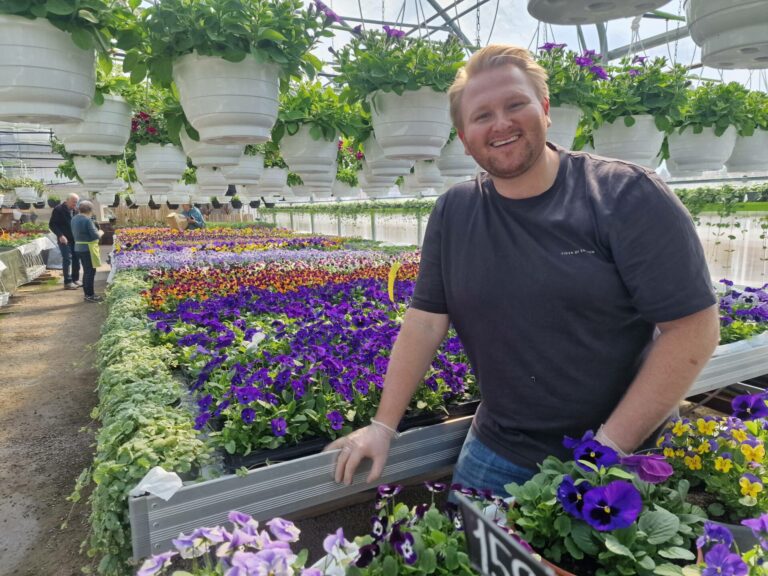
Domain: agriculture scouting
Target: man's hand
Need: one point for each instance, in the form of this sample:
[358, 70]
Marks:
[369, 442]
[63, 239]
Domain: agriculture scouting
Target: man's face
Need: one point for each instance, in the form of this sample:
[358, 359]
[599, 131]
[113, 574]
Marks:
[71, 203]
[505, 122]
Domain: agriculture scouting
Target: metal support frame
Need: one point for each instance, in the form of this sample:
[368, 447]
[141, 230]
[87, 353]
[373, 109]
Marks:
[652, 42]
[450, 22]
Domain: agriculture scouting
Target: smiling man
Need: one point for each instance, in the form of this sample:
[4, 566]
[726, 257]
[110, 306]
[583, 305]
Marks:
[556, 268]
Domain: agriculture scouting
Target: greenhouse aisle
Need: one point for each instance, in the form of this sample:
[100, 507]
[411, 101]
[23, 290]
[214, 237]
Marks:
[47, 383]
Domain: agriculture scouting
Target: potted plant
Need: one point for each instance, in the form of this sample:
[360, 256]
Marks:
[48, 59]
[248, 169]
[571, 78]
[378, 162]
[706, 131]
[236, 202]
[203, 154]
[724, 458]
[249, 47]
[158, 161]
[402, 80]
[634, 108]
[309, 124]
[455, 162]
[578, 12]
[601, 514]
[750, 152]
[53, 200]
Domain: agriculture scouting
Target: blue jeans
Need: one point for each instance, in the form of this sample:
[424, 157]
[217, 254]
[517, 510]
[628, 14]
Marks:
[481, 468]
[69, 259]
[89, 272]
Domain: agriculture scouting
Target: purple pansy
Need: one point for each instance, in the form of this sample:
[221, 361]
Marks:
[379, 527]
[571, 495]
[154, 564]
[613, 506]
[720, 561]
[572, 443]
[759, 528]
[714, 534]
[749, 406]
[389, 490]
[366, 554]
[248, 414]
[279, 426]
[283, 530]
[651, 468]
[596, 453]
[402, 542]
[336, 419]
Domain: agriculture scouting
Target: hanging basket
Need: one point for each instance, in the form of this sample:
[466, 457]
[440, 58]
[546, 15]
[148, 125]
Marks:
[412, 126]
[53, 203]
[690, 154]
[246, 172]
[103, 132]
[228, 102]
[574, 12]
[204, 154]
[95, 173]
[273, 180]
[211, 182]
[344, 190]
[750, 154]
[381, 165]
[305, 155]
[731, 34]
[565, 121]
[639, 143]
[454, 161]
[45, 77]
[159, 164]
[428, 174]
[27, 194]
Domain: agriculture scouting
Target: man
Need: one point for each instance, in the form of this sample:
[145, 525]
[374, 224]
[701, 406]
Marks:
[193, 215]
[555, 268]
[61, 225]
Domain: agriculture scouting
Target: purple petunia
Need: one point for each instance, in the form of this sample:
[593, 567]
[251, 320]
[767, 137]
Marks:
[759, 528]
[336, 419]
[651, 468]
[720, 561]
[549, 46]
[749, 406]
[639, 59]
[613, 506]
[393, 32]
[571, 495]
[279, 426]
[330, 15]
[599, 72]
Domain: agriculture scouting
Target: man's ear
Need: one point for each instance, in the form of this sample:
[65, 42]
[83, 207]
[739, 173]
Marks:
[545, 105]
[461, 137]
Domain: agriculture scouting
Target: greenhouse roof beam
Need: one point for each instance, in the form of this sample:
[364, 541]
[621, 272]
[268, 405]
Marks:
[652, 42]
[388, 23]
[467, 11]
[430, 18]
[451, 22]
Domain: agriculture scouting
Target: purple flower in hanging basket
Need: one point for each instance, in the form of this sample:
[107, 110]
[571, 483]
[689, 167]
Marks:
[393, 32]
[330, 15]
[720, 561]
[571, 495]
[583, 61]
[336, 419]
[714, 534]
[599, 72]
[652, 468]
[749, 406]
[639, 59]
[549, 46]
[613, 506]
[634, 72]
[594, 452]
[279, 426]
[759, 528]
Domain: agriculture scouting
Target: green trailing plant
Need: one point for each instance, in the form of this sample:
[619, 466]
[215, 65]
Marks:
[308, 103]
[281, 32]
[718, 106]
[389, 61]
[9, 184]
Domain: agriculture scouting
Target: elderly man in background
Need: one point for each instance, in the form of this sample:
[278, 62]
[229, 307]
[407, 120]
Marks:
[61, 225]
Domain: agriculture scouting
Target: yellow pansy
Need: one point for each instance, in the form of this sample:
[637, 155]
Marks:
[693, 462]
[706, 427]
[723, 464]
[669, 452]
[679, 428]
[679, 452]
[749, 488]
[739, 435]
[703, 448]
[756, 454]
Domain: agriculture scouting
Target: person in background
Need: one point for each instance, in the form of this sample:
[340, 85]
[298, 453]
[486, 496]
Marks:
[193, 215]
[60, 224]
[556, 268]
[85, 233]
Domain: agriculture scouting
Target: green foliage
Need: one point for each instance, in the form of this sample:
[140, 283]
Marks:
[568, 82]
[415, 207]
[92, 23]
[308, 103]
[377, 61]
[757, 110]
[349, 161]
[718, 106]
[665, 528]
[8, 184]
[277, 31]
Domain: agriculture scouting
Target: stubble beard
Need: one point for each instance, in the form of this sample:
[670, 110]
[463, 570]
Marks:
[501, 168]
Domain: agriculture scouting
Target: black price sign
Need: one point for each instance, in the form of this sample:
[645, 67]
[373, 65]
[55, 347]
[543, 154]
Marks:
[492, 551]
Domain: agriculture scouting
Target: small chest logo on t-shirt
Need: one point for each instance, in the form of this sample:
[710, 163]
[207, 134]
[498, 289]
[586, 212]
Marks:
[576, 252]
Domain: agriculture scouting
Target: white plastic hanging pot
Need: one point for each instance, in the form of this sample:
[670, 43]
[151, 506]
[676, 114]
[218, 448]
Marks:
[228, 102]
[247, 171]
[180, 193]
[305, 155]
[273, 180]
[411, 186]
[691, 154]
[160, 163]
[574, 12]
[44, 77]
[412, 126]
[639, 143]
[27, 194]
[454, 161]
[94, 172]
[565, 121]
[428, 174]
[323, 181]
[750, 154]
[104, 131]
[141, 199]
[206, 154]
[344, 190]
[379, 164]
[211, 182]
[731, 34]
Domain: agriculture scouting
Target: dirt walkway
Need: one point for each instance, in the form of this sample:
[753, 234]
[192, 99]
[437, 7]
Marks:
[47, 383]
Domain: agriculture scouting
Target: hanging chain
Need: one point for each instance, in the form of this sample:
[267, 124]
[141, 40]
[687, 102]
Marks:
[477, 27]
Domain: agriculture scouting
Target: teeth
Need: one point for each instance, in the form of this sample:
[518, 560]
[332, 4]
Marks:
[503, 142]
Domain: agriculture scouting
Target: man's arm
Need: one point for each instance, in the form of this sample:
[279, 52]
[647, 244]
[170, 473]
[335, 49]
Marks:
[676, 358]
[415, 347]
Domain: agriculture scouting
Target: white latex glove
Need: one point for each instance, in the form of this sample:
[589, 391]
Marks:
[63, 240]
[369, 442]
[100, 233]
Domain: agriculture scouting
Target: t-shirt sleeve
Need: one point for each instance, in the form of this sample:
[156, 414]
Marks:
[429, 293]
[658, 253]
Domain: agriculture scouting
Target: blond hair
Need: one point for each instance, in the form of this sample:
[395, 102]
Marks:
[496, 56]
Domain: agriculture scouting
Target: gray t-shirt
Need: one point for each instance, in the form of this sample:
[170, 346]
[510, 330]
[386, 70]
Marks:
[555, 297]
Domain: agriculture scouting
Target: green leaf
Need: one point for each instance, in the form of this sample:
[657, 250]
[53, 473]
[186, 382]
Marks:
[60, 7]
[230, 447]
[82, 39]
[716, 509]
[668, 570]
[612, 543]
[389, 566]
[659, 525]
[619, 473]
[88, 15]
[162, 70]
[273, 35]
[138, 73]
[582, 537]
[563, 525]
[629, 121]
[677, 553]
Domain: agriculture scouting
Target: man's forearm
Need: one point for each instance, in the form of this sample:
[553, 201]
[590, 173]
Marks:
[414, 349]
[676, 358]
